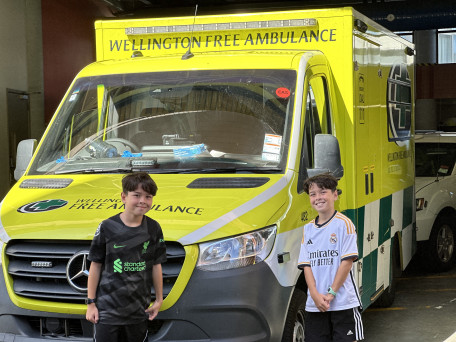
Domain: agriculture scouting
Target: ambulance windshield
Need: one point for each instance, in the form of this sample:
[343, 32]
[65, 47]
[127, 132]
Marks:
[164, 122]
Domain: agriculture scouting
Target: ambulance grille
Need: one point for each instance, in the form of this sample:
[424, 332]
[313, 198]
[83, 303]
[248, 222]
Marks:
[39, 269]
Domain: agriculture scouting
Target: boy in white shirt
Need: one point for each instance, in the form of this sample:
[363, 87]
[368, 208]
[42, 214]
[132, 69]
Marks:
[328, 250]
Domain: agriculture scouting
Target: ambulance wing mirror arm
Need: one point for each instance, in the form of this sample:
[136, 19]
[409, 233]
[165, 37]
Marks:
[24, 154]
[327, 156]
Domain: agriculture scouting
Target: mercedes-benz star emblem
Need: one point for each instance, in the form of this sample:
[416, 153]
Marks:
[77, 271]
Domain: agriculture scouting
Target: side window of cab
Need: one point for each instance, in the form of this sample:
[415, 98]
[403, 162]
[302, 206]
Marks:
[317, 120]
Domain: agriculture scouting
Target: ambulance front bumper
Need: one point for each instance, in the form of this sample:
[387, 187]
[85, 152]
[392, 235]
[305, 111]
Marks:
[244, 304]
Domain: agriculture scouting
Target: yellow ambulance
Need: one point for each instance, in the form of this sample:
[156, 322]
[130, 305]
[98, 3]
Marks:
[229, 114]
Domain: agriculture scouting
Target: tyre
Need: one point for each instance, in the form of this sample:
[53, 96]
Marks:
[294, 324]
[386, 299]
[440, 252]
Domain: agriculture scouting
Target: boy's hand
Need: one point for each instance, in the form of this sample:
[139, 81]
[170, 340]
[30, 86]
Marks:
[321, 301]
[329, 297]
[153, 310]
[92, 313]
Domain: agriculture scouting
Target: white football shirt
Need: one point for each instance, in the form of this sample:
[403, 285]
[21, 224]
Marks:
[323, 247]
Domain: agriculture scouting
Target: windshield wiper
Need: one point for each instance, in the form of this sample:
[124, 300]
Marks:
[166, 171]
[234, 170]
[95, 170]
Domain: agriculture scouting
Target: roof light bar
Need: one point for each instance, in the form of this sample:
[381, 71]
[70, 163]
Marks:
[221, 26]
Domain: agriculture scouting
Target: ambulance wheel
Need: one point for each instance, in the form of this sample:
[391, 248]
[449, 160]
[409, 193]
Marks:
[125, 142]
[294, 324]
[440, 251]
[386, 299]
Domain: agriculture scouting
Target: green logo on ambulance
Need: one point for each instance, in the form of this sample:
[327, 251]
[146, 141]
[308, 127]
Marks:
[40, 206]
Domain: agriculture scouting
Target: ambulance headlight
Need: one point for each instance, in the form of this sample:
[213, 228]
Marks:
[237, 251]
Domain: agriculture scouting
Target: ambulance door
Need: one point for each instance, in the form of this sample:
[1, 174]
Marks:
[316, 120]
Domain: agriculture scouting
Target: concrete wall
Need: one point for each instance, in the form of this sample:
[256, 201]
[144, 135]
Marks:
[20, 69]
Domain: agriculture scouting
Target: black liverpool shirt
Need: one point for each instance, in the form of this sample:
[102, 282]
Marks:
[128, 255]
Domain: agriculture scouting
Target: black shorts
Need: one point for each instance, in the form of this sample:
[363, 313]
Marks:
[120, 333]
[337, 326]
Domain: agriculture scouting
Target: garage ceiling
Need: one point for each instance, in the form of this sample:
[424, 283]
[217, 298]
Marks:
[396, 15]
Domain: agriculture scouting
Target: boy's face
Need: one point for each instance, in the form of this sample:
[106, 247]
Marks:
[137, 202]
[322, 200]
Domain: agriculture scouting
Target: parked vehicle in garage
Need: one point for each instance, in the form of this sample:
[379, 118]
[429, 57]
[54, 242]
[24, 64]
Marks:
[436, 198]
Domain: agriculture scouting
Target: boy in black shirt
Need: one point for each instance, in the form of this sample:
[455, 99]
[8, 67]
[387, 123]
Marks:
[126, 256]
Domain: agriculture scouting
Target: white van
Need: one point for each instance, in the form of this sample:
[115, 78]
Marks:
[435, 186]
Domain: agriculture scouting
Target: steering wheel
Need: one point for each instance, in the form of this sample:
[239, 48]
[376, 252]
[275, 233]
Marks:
[126, 142]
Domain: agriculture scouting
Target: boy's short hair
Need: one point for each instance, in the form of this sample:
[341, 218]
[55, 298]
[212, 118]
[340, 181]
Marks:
[131, 182]
[323, 181]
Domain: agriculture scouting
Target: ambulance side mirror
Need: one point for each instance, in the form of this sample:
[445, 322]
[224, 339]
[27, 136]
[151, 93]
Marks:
[327, 156]
[24, 154]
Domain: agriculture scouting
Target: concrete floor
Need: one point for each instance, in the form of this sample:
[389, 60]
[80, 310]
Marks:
[424, 309]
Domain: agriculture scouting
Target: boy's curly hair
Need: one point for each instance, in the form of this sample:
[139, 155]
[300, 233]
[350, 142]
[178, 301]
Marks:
[323, 181]
[131, 182]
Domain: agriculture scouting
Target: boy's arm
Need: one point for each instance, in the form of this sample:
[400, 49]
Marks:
[341, 275]
[92, 284]
[158, 286]
[319, 299]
